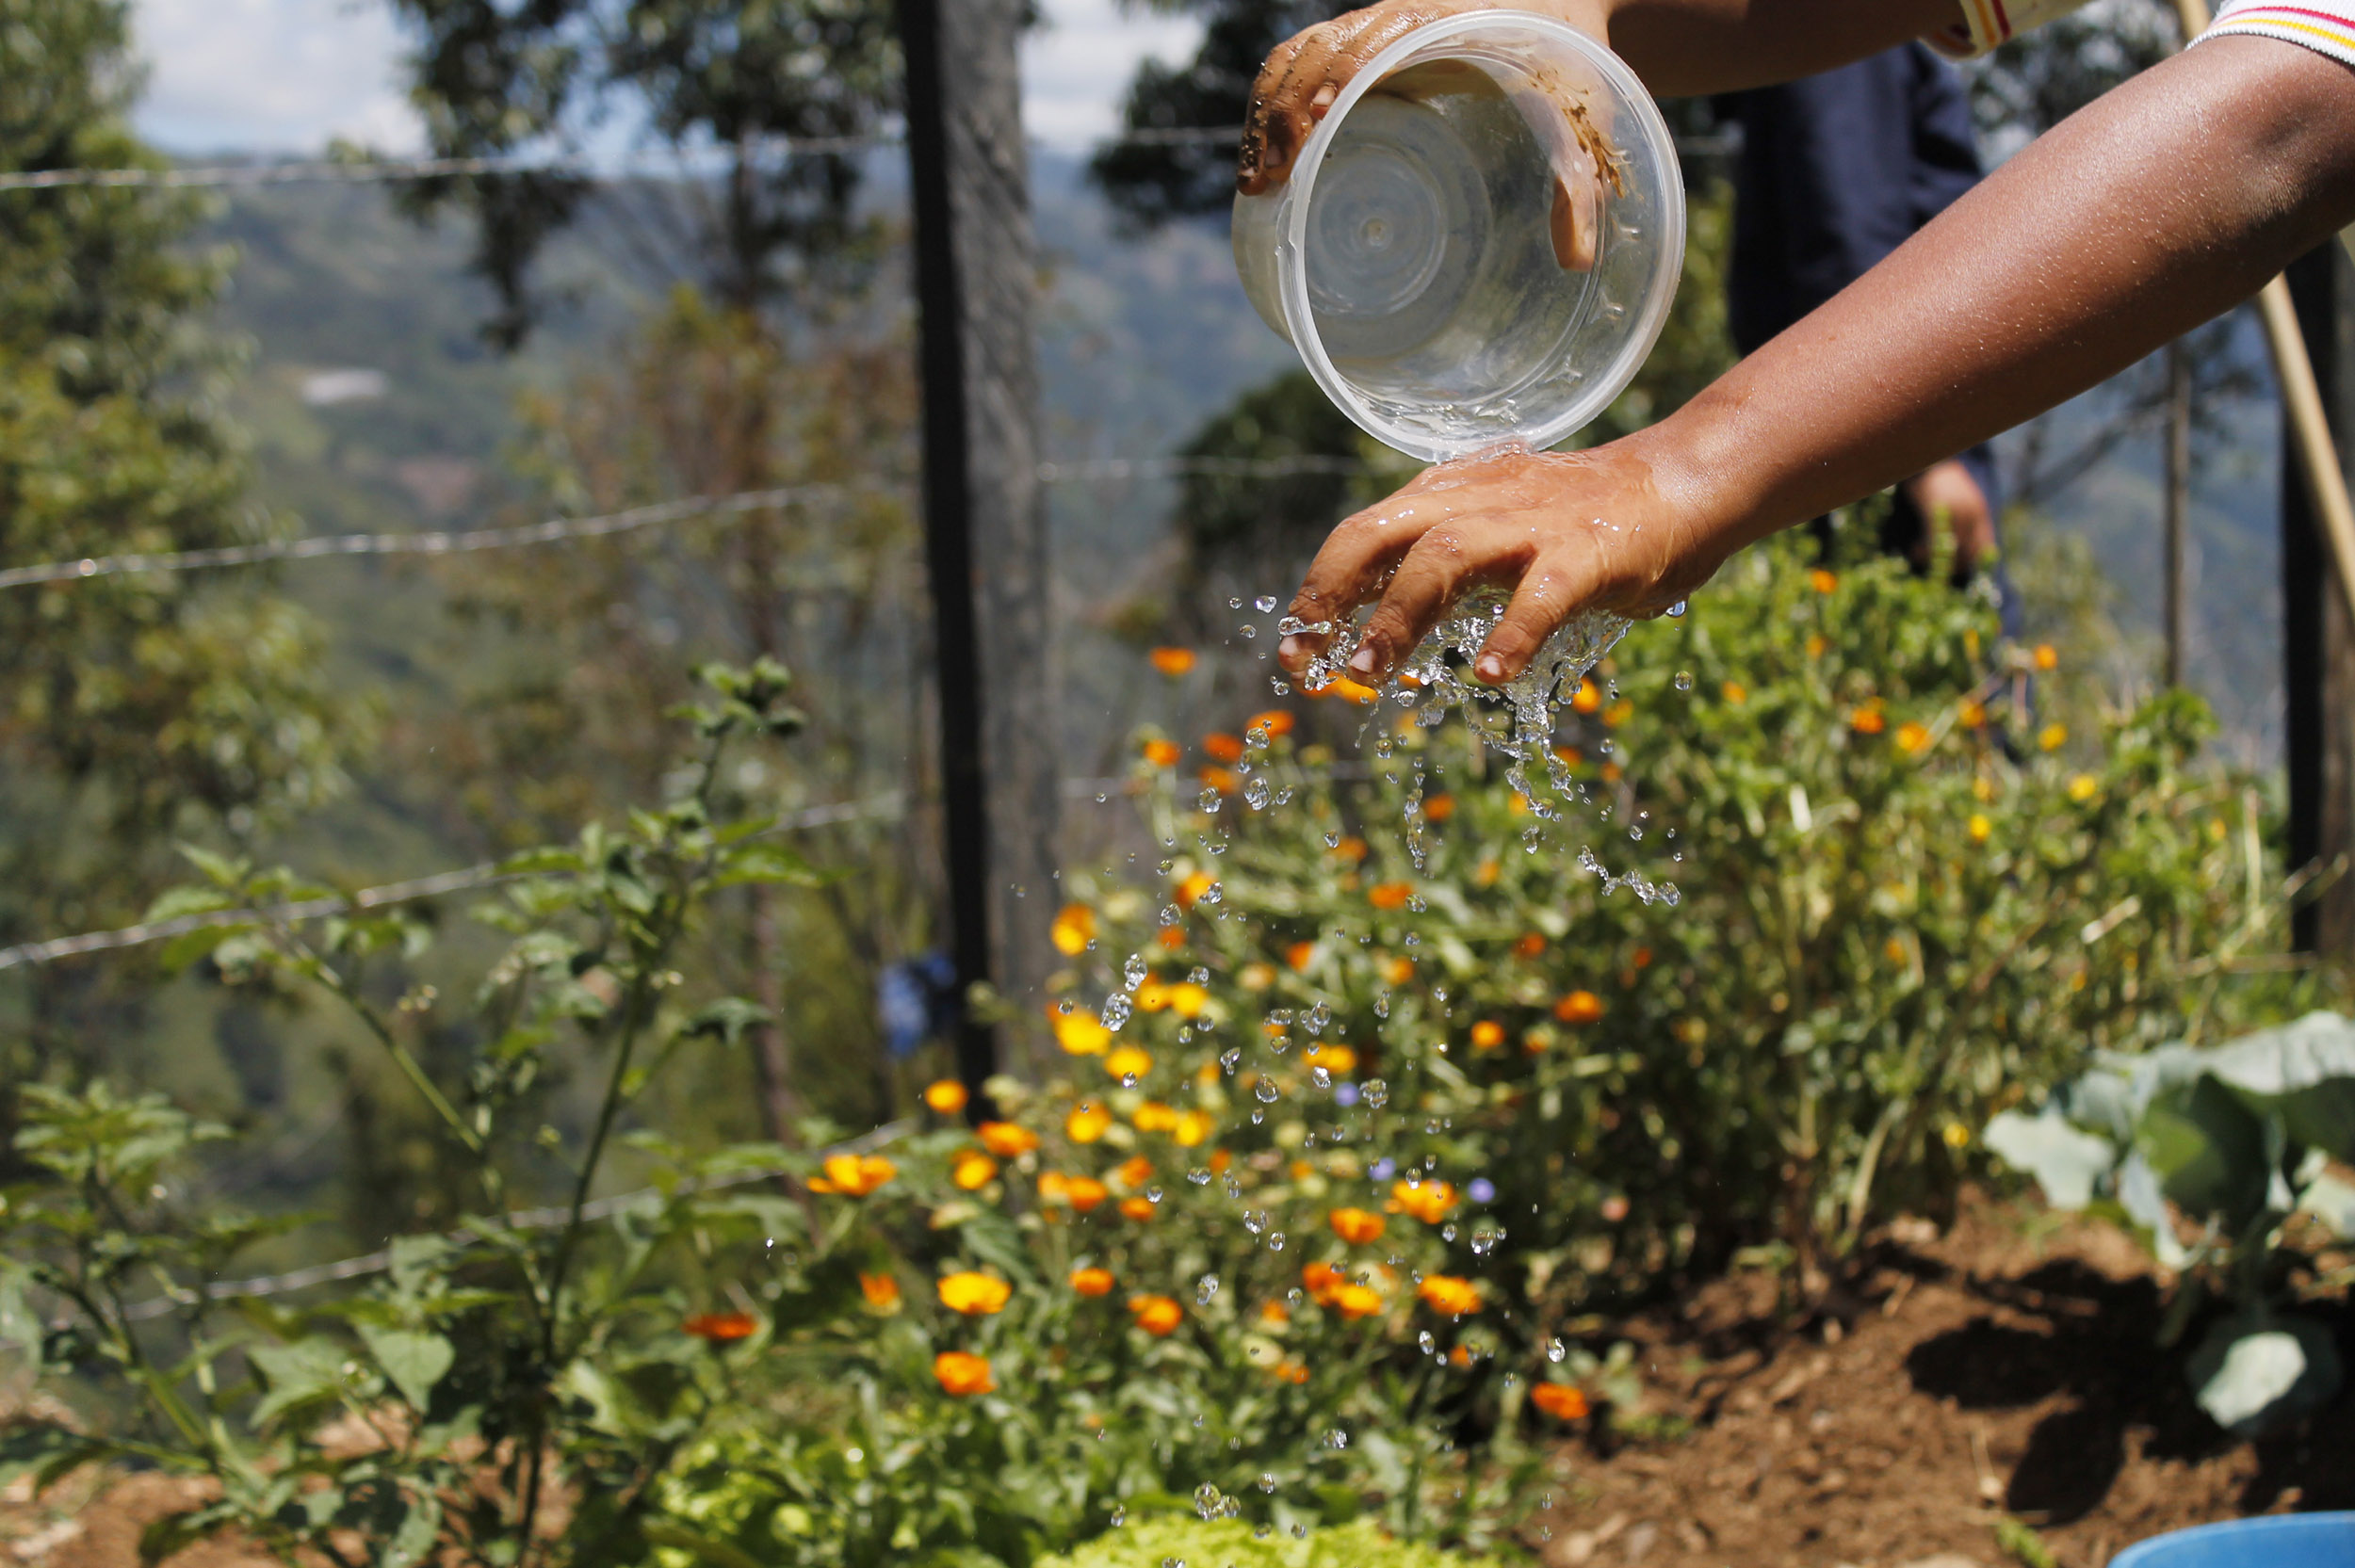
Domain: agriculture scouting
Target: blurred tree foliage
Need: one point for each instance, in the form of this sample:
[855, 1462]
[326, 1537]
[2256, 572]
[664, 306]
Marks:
[139, 708]
[735, 75]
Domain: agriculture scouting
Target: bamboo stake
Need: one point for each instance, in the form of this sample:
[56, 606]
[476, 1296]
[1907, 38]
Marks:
[2301, 395]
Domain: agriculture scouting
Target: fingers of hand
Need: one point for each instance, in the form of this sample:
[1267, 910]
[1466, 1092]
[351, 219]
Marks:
[1267, 139]
[1342, 578]
[1548, 592]
[1450, 557]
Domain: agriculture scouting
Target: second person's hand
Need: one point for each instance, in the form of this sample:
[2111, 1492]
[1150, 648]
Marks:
[1567, 532]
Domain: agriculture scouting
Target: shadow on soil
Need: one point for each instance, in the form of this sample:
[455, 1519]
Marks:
[2097, 1348]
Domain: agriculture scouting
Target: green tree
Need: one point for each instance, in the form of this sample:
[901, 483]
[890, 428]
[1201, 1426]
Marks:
[146, 707]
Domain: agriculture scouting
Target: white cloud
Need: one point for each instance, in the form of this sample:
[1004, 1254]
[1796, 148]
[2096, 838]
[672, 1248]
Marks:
[285, 75]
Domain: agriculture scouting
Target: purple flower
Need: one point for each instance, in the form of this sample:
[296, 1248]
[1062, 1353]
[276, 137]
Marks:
[1383, 1170]
[1480, 1189]
[1344, 1093]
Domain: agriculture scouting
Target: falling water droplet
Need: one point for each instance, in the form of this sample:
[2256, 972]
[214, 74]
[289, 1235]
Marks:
[1265, 604]
[1205, 1289]
[1685, 680]
[1116, 1010]
[1377, 1092]
[1265, 1091]
[1676, 611]
[1556, 1350]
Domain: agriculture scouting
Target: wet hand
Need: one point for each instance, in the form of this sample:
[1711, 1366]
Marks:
[1595, 531]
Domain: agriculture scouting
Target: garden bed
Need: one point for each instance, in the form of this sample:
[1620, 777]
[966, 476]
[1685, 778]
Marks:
[2007, 1369]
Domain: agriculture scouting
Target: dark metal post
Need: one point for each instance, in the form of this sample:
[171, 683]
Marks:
[2178, 510]
[2318, 639]
[984, 523]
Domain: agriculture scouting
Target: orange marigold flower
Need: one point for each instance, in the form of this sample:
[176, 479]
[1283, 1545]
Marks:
[1275, 1312]
[1488, 871]
[1290, 1372]
[1397, 971]
[1427, 1201]
[1093, 1281]
[1869, 720]
[1053, 1188]
[1815, 646]
[1579, 1007]
[1219, 1160]
[1188, 1000]
[1618, 713]
[852, 1175]
[1300, 955]
[1154, 1117]
[1460, 1357]
[1587, 698]
[880, 1290]
[1894, 950]
[1140, 1208]
[1224, 747]
[1390, 896]
[1822, 581]
[1612, 772]
[973, 1171]
[1224, 780]
[1163, 753]
[1006, 1139]
[1083, 1193]
[1332, 1056]
[2046, 657]
[1538, 1039]
[1127, 1062]
[1734, 692]
[1134, 1172]
[1082, 1033]
[962, 1373]
[1073, 929]
[722, 1328]
[1152, 996]
[1353, 1302]
[1449, 1294]
[1912, 738]
[1088, 1122]
[944, 1095]
[1172, 662]
[1439, 808]
[1322, 1281]
[2053, 736]
[975, 1295]
[1274, 723]
[1351, 849]
[1530, 944]
[1171, 936]
[1347, 689]
[1190, 889]
[1158, 1315]
[1356, 1226]
[1559, 1400]
[1641, 958]
[1193, 1130]
[1487, 1035]
[1971, 714]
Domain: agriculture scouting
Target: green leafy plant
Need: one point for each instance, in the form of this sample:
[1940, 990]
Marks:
[2236, 1142]
[1357, 1545]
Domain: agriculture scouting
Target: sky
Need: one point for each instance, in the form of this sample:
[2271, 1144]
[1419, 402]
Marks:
[287, 75]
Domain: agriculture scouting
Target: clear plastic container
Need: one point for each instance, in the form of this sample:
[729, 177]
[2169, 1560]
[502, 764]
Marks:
[1481, 239]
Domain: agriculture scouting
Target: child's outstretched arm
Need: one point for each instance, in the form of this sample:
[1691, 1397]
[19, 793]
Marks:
[2169, 200]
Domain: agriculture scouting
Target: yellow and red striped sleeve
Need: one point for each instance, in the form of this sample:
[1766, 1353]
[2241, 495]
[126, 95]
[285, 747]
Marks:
[2327, 27]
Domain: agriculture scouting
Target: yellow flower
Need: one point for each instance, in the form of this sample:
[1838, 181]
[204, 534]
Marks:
[1172, 662]
[1272, 726]
[1134, 1172]
[1093, 1281]
[1894, 949]
[1397, 971]
[1082, 1033]
[973, 1171]
[1154, 1117]
[1815, 646]
[1353, 1302]
[1912, 738]
[974, 1295]
[2045, 657]
[2084, 787]
[1333, 1058]
[1868, 719]
[1152, 996]
[1193, 1130]
[1390, 896]
[944, 1095]
[1163, 753]
[1429, 1201]
[1822, 581]
[1128, 1062]
[1225, 780]
[2053, 736]
[1006, 1139]
[880, 1290]
[1734, 692]
[1187, 999]
[1138, 1208]
[1449, 1294]
[1956, 1136]
[854, 1175]
[1191, 890]
[1158, 1315]
[1972, 714]
[1587, 698]
[962, 1373]
[1088, 1122]
[1083, 1193]
[1980, 827]
[1618, 713]
[1579, 1007]
[1487, 1035]
[1356, 1226]
[1073, 929]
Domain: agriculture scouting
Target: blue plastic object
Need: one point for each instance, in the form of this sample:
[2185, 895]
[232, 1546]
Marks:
[2278, 1541]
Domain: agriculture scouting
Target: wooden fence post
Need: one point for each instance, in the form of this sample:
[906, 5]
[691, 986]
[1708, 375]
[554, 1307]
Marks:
[984, 518]
[2319, 637]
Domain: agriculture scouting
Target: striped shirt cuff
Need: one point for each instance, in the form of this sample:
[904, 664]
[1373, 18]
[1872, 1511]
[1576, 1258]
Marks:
[2327, 27]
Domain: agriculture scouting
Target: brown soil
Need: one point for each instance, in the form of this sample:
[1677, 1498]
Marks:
[2009, 1369]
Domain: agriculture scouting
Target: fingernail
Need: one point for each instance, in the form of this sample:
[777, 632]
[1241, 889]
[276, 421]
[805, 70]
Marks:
[1491, 668]
[1289, 650]
[1364, 659]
